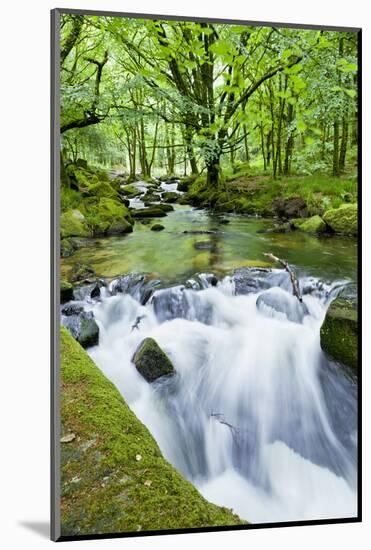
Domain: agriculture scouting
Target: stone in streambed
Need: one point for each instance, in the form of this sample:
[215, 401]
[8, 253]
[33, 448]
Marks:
[152, 212]
[339, 332]
[151, 362]
[315, 224]
[83, 327]
[157, 227]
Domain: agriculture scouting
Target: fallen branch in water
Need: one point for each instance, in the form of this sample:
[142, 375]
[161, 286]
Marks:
[138, 320]
[293, 278]
[219, 418]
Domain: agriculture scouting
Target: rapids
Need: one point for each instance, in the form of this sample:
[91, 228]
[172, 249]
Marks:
[256, 417]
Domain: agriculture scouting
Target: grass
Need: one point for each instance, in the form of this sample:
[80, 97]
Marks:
[251, 190]
[114, 477]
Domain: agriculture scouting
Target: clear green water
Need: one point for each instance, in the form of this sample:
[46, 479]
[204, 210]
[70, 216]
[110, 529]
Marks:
[172, 255]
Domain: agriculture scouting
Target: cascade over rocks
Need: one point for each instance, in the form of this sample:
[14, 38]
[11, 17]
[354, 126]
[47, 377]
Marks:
[278, 301]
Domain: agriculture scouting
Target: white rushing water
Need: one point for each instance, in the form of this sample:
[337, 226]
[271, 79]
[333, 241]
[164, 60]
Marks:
[255, 417]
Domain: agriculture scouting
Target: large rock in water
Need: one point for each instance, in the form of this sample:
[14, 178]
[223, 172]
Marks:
[339, 332]
[151, 362]
[81, 325]
[315, 224]
[343, 219]
[276, 302]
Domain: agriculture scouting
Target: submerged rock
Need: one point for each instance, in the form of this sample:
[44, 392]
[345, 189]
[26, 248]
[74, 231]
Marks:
[82, 326]
[151, 361]
[276, 300]
[157, 227]
[339, 332]
[68, 247]
[343, 219]
[81, 273]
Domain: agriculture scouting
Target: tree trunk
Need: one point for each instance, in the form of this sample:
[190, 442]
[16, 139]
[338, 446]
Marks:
[289, 141]
[213, 172]
[190, 152]
[335, 153]
[343, 144]
[263, 147]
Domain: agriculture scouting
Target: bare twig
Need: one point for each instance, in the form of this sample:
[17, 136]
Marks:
[293, 278]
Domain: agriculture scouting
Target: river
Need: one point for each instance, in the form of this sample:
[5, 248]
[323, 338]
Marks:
[256, 417]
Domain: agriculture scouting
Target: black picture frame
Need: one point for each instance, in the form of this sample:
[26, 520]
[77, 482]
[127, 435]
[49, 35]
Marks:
[55, 276]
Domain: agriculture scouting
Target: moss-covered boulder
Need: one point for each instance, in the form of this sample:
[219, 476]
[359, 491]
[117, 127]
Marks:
[186, 182]
[74, 224]
[130, 191]
[343, 219]
[102, 189]
[109, 217]
[150, 212]
[151, 362]
[66, 291]
[114, 477]
[315, 224]
[170, 196]
[339, 332]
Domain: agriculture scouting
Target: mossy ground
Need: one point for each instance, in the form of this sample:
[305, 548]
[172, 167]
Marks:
[253, 193]
[114, 477]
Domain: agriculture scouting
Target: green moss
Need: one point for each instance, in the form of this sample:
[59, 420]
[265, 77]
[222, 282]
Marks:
[73, 224]
[343, 219]
[102, 189]
[109, 217]
[315, 224]
[254, 193]
[130, 191]
[114, 477]
[339, 333]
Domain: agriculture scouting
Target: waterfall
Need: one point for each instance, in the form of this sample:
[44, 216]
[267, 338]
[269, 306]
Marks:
[256, 417]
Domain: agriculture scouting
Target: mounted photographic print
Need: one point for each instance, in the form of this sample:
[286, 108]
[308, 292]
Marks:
[205, 303]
